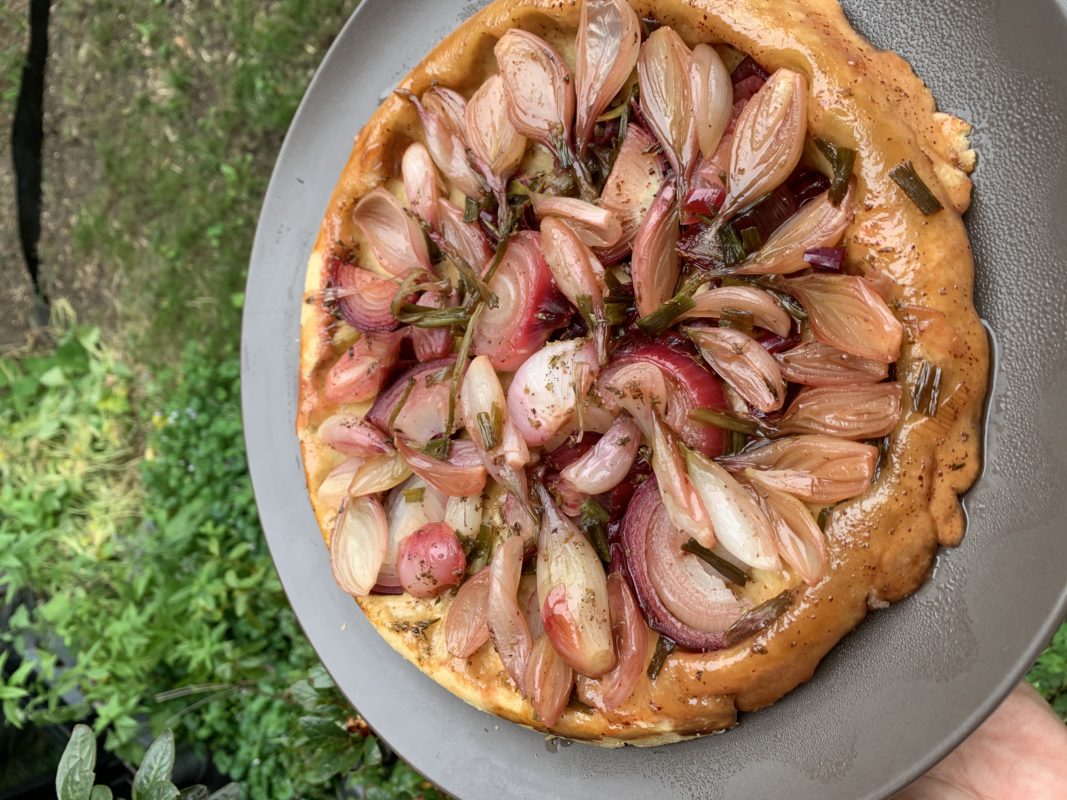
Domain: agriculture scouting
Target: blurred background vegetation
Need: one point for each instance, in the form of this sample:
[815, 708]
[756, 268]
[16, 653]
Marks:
[137, 589]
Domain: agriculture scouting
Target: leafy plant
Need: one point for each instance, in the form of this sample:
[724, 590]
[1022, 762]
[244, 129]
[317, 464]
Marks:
[143, 584]
[1049, 674]
[74, 778]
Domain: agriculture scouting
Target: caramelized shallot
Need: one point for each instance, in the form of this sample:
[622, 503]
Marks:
[799, 540]
[495, 143]
[766, 313]
[603, 467]
[654, 267]
[768, 139]
[357, 544]
[549, 681]
[507, 622]
[579, 275]
[421, 182]
[445, 142]
[430, 561]
[845, 312]
[485, 413]
[394, 237]
[539, 89]
[818, 364]
[740, 525]
[609, 37]
[354, 436]
[850, 412]
[359, 373]
[663, 68]
[634, 182]
[547, 387]
[461, 475]
[713, 97]
[595, 226]
[572, 592]
[467, 621]
[744, 364]
[630, 635]
[680, 496]
[819, 224]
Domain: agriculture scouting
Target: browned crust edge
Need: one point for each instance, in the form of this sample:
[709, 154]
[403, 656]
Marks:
[882, 544]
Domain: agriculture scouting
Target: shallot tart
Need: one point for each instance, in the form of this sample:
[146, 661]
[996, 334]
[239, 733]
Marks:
[639, 359]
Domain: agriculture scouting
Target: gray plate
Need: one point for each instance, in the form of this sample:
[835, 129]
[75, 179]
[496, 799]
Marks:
[913, 680]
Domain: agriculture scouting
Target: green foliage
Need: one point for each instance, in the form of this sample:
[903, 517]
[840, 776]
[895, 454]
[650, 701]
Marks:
[1049, 674]
[74, 778]
[155, 575]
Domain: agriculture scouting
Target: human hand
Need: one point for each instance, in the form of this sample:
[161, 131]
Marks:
[1019, 753]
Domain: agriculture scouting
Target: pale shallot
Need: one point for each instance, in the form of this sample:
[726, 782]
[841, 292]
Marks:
[378, 474]
[484, 409]
[495, 143]
[579, 275]
[507, 622]
[845, 312]
[713, 97]
[654, 267]
[766, 313]
[467, 621]
[334, 487]
[740, 525]
[408, 507]
[446, 144]
[632, 186]
[422, 185]
[572, 592]
[800, 541]
[663, 68]
[546, 389]
[357, 544]
[768, 140]
[462, 239]
[819, 224]
[549, 681]
[357, 376]
[395, 238]
[605, 465]
[595, 226]
[460, 475]
[680, 495]
[609, 37]
[744, 364]
[630, 635]
[539, 89]
[464, 514]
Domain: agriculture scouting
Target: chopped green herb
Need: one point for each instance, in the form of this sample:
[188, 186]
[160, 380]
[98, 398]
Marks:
[789, 304]
[481, 549]
[733, 249]
[717, 562]
[491, 426]
[470, 210]
[459, 367]
[663, 317]
[842, 160]
[751, 241]
[438, 447]
[427, 317]
[759, 618]
[905, 176]
[414, 494]
[664, 647]
[727, 421]
[591, 519]
[592, 508]
[927, 391]
[471, 280]
[824, 518]
[737, 319]
[400, 404]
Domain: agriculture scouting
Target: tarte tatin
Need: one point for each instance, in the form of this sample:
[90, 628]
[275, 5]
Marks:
[639, 358]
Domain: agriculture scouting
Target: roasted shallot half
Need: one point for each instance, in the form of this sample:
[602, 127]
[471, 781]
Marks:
[572, 593]
[609, 37]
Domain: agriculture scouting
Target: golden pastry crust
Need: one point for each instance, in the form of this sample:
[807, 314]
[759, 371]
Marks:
[881, 544]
